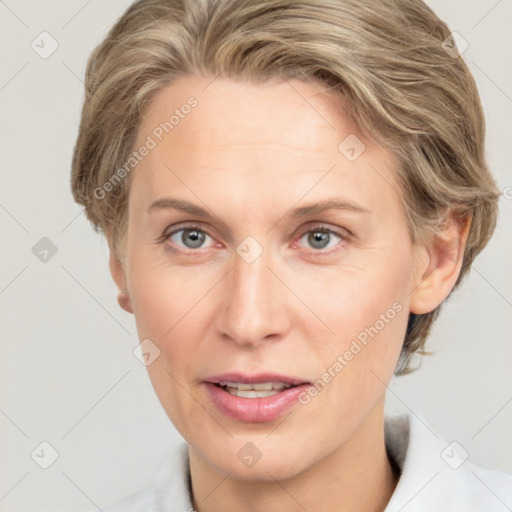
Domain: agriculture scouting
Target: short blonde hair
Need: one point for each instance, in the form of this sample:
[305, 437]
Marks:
[389, 59]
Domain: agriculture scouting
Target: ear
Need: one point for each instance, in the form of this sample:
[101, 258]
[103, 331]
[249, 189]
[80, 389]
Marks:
[440, 265]
[117, 272]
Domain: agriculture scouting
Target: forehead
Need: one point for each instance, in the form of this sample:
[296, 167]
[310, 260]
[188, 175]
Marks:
[271, 139]
[293, 113]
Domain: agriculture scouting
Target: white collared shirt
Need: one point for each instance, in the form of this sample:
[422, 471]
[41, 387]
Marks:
[435, 476]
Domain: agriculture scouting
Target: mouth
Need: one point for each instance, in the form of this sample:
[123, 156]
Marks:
[254, 398]
[260, 390]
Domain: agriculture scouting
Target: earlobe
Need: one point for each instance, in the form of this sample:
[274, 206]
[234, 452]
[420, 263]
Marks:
[123, 299]
[117, 272]
[445, 255]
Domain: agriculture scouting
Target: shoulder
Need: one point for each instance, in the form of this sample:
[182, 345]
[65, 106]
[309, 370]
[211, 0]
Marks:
[168, 490]
[437, 474]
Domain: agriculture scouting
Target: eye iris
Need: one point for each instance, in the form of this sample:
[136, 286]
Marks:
[194, 236]
[318, 239]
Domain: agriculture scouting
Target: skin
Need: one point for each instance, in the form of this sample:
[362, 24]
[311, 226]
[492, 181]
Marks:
[249, 153]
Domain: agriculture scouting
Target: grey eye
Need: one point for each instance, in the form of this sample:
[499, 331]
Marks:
[190, 238]
[321, 238]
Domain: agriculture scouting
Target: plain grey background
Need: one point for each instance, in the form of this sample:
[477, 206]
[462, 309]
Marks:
[68, 373]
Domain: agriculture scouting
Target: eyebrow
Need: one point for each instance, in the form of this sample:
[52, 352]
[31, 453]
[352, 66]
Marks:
[301, 211]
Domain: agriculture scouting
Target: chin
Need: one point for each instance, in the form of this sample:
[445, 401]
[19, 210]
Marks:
[268, 470]
[257, 459]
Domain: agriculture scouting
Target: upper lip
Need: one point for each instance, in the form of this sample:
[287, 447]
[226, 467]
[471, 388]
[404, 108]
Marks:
[255, 378]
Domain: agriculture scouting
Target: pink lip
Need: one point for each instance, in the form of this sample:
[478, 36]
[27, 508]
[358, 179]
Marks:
[254, 410]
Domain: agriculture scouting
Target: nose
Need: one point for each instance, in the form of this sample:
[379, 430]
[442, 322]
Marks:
[253, 307]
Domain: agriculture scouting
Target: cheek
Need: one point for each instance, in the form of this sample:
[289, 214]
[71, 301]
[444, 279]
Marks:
[367, 308]
[172, 308]
[370, 292]
[162, 295]
[167, 313]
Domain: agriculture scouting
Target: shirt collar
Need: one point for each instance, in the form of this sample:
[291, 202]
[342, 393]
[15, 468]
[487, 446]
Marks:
[433, 476]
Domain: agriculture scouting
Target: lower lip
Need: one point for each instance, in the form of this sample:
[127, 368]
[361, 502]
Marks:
[254, 410]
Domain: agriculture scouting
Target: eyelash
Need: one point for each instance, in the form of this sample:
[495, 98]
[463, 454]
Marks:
[194, 227]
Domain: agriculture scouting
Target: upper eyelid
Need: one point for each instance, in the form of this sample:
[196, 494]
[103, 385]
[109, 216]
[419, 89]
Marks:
[311, 225]
[170, 232]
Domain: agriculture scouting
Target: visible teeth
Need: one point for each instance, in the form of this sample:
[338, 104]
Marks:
[258, 390]
[245, 387]
[251, 393]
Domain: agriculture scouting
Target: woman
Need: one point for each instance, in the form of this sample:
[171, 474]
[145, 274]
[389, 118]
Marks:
[290, 190]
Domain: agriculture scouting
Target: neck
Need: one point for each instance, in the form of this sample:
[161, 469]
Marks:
[357, 476]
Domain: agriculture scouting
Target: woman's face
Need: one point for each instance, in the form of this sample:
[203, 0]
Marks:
[240, 268]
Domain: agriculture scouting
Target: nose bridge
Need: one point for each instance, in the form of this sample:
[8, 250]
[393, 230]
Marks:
[253, 308]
